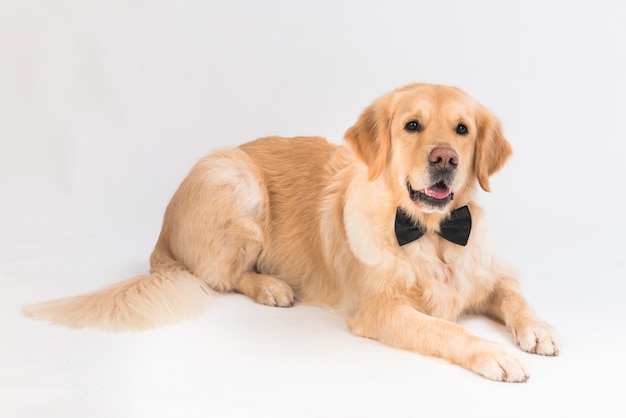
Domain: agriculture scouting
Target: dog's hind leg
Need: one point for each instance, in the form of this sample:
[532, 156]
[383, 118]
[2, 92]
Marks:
[265, 289]
[215, 226]
[235, 264]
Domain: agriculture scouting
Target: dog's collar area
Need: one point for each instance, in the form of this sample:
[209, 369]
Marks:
[436, 196]
[456, 228]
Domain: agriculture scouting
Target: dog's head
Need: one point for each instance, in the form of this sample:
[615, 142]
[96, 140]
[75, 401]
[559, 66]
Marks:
[433, 143]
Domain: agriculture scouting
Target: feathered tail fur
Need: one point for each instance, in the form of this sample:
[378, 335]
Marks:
[168, 294]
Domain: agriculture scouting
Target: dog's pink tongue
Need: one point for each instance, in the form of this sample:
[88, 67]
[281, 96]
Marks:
[438, 192]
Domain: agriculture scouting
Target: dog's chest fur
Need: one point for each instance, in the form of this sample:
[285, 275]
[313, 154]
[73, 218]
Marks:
[447, 279]
[441, 278]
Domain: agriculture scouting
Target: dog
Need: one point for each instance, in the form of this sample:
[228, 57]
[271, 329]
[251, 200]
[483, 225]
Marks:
[384, 228]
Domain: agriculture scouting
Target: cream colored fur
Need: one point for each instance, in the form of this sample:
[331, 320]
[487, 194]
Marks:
[300, 219]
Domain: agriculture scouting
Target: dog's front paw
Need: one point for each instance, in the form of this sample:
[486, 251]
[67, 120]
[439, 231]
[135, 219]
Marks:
[497, 364]
[537, 337]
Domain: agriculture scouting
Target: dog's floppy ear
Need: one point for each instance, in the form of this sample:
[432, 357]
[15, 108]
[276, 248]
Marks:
[492, 149]
[370, 136]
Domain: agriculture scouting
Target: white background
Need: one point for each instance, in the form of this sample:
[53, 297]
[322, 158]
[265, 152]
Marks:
[104, 107]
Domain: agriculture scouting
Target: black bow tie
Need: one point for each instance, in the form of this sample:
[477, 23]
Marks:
[455, 229]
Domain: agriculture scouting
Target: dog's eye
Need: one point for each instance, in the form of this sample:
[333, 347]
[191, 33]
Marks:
[461, 129]
[413, 126]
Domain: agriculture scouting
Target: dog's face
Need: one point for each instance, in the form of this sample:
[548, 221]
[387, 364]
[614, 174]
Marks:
[433, 143]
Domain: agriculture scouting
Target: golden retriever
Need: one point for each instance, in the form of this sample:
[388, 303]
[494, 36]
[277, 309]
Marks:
[377, 228]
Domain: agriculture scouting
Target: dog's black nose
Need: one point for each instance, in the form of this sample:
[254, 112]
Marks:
[444, 158]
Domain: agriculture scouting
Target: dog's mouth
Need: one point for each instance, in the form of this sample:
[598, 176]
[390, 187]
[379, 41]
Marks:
[437, 195]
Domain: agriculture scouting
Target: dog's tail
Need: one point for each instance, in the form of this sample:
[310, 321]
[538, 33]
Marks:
[169, 294]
